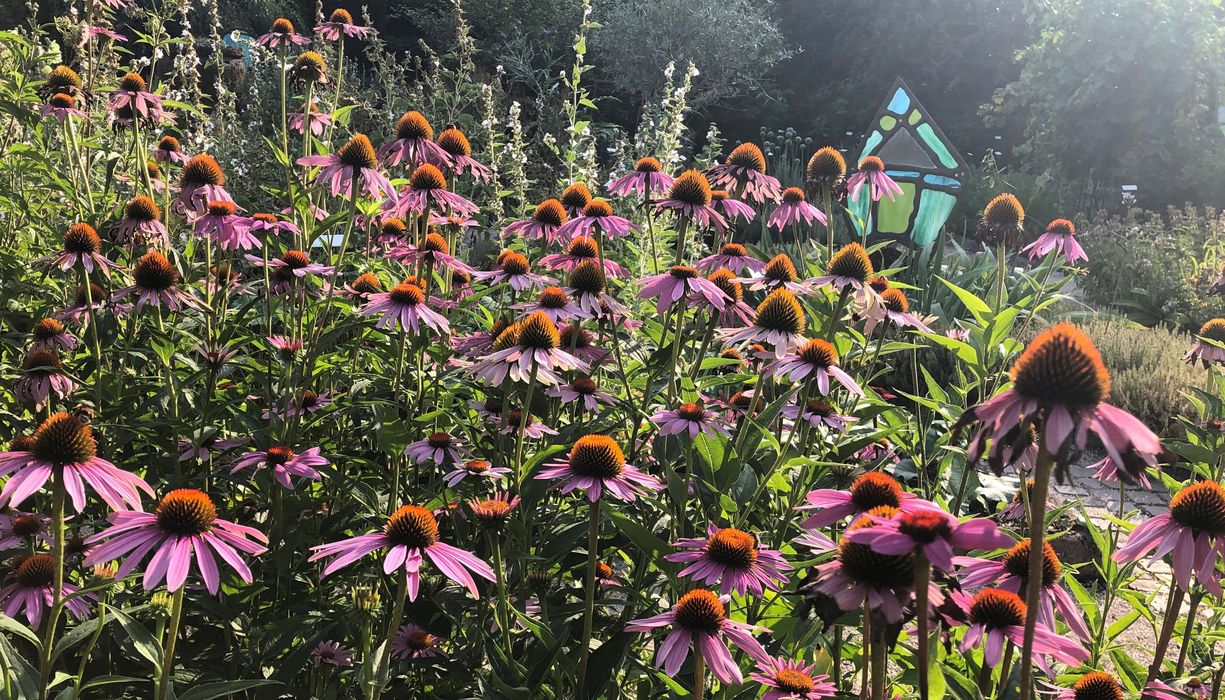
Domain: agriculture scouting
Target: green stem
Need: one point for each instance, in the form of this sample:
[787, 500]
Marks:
[172, 637]
[1174, 605]
[922, 577]
[1037, 538]
[593, 543]
[393, 625]
[699, 675]
[57, 591]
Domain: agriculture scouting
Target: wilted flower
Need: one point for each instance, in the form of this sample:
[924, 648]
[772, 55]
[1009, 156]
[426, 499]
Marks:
[1003, 220]
[201, 182]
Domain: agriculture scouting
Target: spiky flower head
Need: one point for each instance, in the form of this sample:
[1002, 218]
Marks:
[358, 152]
[413, 125]
[781, 311]
[691, 188]
[851, 261]
[826, 166]
[202, 169]
[454, 142]
[310, 67]
[1061, 366]
[747, 155]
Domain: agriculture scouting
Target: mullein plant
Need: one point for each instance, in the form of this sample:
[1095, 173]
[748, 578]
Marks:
[303, 433]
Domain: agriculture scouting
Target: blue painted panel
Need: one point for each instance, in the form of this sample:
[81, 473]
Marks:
[900, 102]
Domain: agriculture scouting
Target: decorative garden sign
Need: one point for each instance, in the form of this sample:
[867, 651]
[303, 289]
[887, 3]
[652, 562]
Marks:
[920, 159]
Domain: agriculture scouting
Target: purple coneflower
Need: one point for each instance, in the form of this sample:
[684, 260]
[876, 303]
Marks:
[169, 150]
[699, 619]
[1060, 380]
[61, 105]
[226, 228]
[133, 95]
[491, 513]
[514, 269]
[272, 224]
[690, 197]
[414, 143]
[997, 616]
[732, 256]
[581, 390]
[410, 537]
[201, 182]
[285, 346]
[282, 35]
[872, 173]
[733, 558]
[413, 642]
[353, 168]
[555, 303]
[691, 418]
[440, 448]
[815, 360]
[870, 490]
[792, 680]
[1209, 345]
[850, 272]
[779, 321]
[1096, 685]
[778, 273]
[731, 209]
[331, 653]
[546, 219]
[793, 209]
[475, 469]
[42, 379]
[32, 591]
[744, 172]
[1011, 573]
[185, 521]
[575, 198]
[405, 306]
[1193, 529]
[318, 122]
[433, 252]
[933, 533]
[676, 284]
[528, 351]
[426, 189]
[1060, 236]
[894, 309]
[817, 413]
[459, 155]
[338, 23]
[734, 312]
[579, 250]
[141, 223]
[596, 463]
[155, 282]
[598, 214]
[646, 180]
[83, 246]
[284, 463]
[28, 529]
[65, 446]
[293, 265]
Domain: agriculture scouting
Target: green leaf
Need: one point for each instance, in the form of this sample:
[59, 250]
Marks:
[646, 540]
[8, 624]
[219, 689]
[973, 304]
[141, 638]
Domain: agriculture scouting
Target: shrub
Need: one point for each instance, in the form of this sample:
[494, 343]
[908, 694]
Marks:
[1154, 268]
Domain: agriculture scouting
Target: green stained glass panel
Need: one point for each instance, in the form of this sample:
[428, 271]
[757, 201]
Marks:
[933, 142]
[915, 116]
[934, 210]
[895, 215]
[887, 122]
